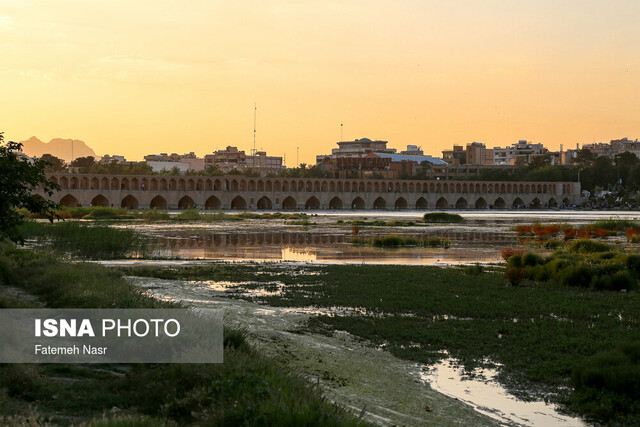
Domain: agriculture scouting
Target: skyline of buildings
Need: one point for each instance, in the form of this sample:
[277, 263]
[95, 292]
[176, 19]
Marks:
[367, 157]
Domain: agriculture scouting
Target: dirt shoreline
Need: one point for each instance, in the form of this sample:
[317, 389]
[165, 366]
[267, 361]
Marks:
[349, 372]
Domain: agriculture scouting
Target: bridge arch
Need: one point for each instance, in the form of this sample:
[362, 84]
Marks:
[379, 203]
[312, 203]
[499, 203]
[422, 203]
[535, 203]
[212, 203]
[401, 203]
[69, 201]
[335, 203]
[99, 200]
[357, 203]
[238, 203]
[481, 203]
[442, 203]
[264, 203]
[552, 203]
[461, 203]
[129, 202]
[518, 203]
[186, 202]
[158, 202]
[289, 203]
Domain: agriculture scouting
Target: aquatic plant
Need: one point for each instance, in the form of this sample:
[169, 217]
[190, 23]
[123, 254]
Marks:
[442, 217]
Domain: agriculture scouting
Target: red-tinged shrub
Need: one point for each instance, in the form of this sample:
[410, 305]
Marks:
[569, 233]
[601, 233]
[538, 230]
[523, 230]
[509, 252]
[633, 235]
[65, 214]
[515, 275]
[583, 233]
[552, 230]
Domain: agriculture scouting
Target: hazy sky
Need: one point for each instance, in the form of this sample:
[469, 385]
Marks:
[137, 76]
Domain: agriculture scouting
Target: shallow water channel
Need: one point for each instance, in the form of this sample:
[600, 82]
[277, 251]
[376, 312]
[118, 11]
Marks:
[480, 391]
[326, 239]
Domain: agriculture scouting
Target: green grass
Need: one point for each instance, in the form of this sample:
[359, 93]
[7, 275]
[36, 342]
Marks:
[86, 240]
[587, 264]
[442, 217]
[247, 389]
[539, 334]
[400, 241]
[616, 224]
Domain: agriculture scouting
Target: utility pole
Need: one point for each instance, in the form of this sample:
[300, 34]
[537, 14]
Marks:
[340, 132]
[297, 152]
[72, 150]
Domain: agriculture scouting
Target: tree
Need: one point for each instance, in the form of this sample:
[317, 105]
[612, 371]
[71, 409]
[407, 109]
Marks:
[585, 157]
[54, 164]
[19, 178]
[540, 161]
[84, 163]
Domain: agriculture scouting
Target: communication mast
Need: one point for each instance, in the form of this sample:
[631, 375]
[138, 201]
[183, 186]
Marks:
[255, 110]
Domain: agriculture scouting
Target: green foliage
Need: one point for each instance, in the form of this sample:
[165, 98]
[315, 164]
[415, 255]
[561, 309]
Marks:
[88, 241]
[400, 241]
[616, 224]
[19, 178]
[582, 268]
[442, 217]
[538, 334]
[473, 270]
[586, 246]
[607, 385]
[53, 163]
[247, 389]
[189, 215]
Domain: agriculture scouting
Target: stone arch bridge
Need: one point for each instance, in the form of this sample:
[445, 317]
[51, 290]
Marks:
[239, 192]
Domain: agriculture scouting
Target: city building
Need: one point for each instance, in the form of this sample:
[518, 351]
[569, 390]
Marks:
[610, 149]
[456, 156]
[115, 158]
[232, 158]
[519, 153]
[356, 148]
[192, 161]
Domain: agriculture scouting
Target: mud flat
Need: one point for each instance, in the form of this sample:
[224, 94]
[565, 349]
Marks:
[350, 372]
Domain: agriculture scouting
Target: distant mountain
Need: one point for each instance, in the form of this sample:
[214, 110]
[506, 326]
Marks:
[58, 147]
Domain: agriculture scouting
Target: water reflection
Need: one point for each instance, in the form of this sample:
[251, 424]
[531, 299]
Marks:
[487, 396]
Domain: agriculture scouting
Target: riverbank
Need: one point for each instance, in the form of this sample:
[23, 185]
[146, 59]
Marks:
[537, 336]
[248, 388]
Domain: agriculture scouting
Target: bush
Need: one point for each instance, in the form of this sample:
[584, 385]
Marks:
[442, 217]
[473, 270]
[102, 213]
[155, 215]
[607, 384]
[530, 260]
[553, 244]
[508, 253]
[588, 246]
[576, 276]
[515, 275]
[189, 215]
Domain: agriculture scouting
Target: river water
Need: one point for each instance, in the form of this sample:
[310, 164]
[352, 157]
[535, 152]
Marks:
[326, 239]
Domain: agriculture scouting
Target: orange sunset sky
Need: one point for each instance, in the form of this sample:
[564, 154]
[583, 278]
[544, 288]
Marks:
[137, 77]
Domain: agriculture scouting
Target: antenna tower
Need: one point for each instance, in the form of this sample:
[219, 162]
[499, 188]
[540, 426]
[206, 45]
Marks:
[255, 110]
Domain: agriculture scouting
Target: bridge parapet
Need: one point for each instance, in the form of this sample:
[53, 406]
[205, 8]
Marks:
[238, 192]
